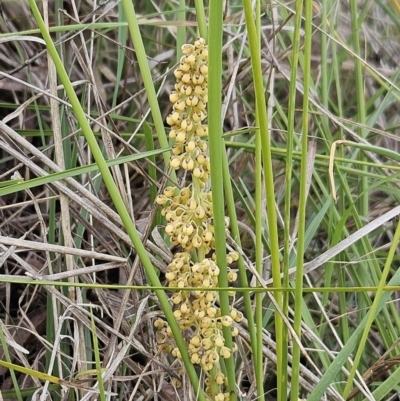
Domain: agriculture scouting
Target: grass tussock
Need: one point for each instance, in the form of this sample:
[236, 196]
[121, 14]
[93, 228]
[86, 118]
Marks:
[207, 219]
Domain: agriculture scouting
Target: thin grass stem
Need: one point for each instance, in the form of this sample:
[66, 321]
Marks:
[269, 187]
[298, 296]
[288, 176]
[217, 151]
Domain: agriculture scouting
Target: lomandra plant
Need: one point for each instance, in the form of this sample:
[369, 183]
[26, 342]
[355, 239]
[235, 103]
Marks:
[189, 215]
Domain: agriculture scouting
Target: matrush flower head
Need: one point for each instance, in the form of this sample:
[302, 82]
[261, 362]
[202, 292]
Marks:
[188, 212]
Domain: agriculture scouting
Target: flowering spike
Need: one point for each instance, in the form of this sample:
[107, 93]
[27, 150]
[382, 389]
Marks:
[189, 216]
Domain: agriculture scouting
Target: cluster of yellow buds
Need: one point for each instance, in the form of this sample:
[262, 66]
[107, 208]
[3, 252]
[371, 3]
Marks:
[198, 315]
[197, 311]
[189, 215]
[189, 111]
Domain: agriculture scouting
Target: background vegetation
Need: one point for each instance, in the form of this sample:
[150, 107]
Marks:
[305, 96]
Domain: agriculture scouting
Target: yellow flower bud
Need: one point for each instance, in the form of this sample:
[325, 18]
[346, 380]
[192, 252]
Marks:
[198, 116]
[186, 125]
[200, 105]
[219, 397]
[239, 317]
[232, 276]
[190, 59]
[178, 74]
[210, 296]
[159, 323]
[180, 136]
[214, 270]
[204, 69]
[187, 78]
[196, 268]
[233, 313]
[196, 241]
[180, 105]
[173, 118]
[187, 164]
[207, 236]
[184, 67]
[193, 348]
[177, 149]
[192, 100]
[192, 204]
[169, 192]
[185, 192]
[200, 313]
[184, 308]
[204, 360]
[169, 229]
[176, 298]
[186, 90]
[195, 340]
[187, 229]
[178, 86]
[199, 90]
[161, 200]
[220, 378]
[198, 172]
[174, 97]
[225, 352]
[207, 333]
[201, 130]
[198, 79]
[208, 367]
[206, 323]
[182, 238]
[201, 159]
[195, 358]
[219, 340]
[212, 311]
[191, 146]
[170, 276]
[175, 163]
[199, 43]
[200, 212]
[213, 358]
[226, 321]
[176, 353]
[187, 49]
[204, 54]
[206, 343]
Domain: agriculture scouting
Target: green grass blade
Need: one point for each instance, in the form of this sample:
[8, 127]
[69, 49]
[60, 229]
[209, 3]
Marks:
[77, 171]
